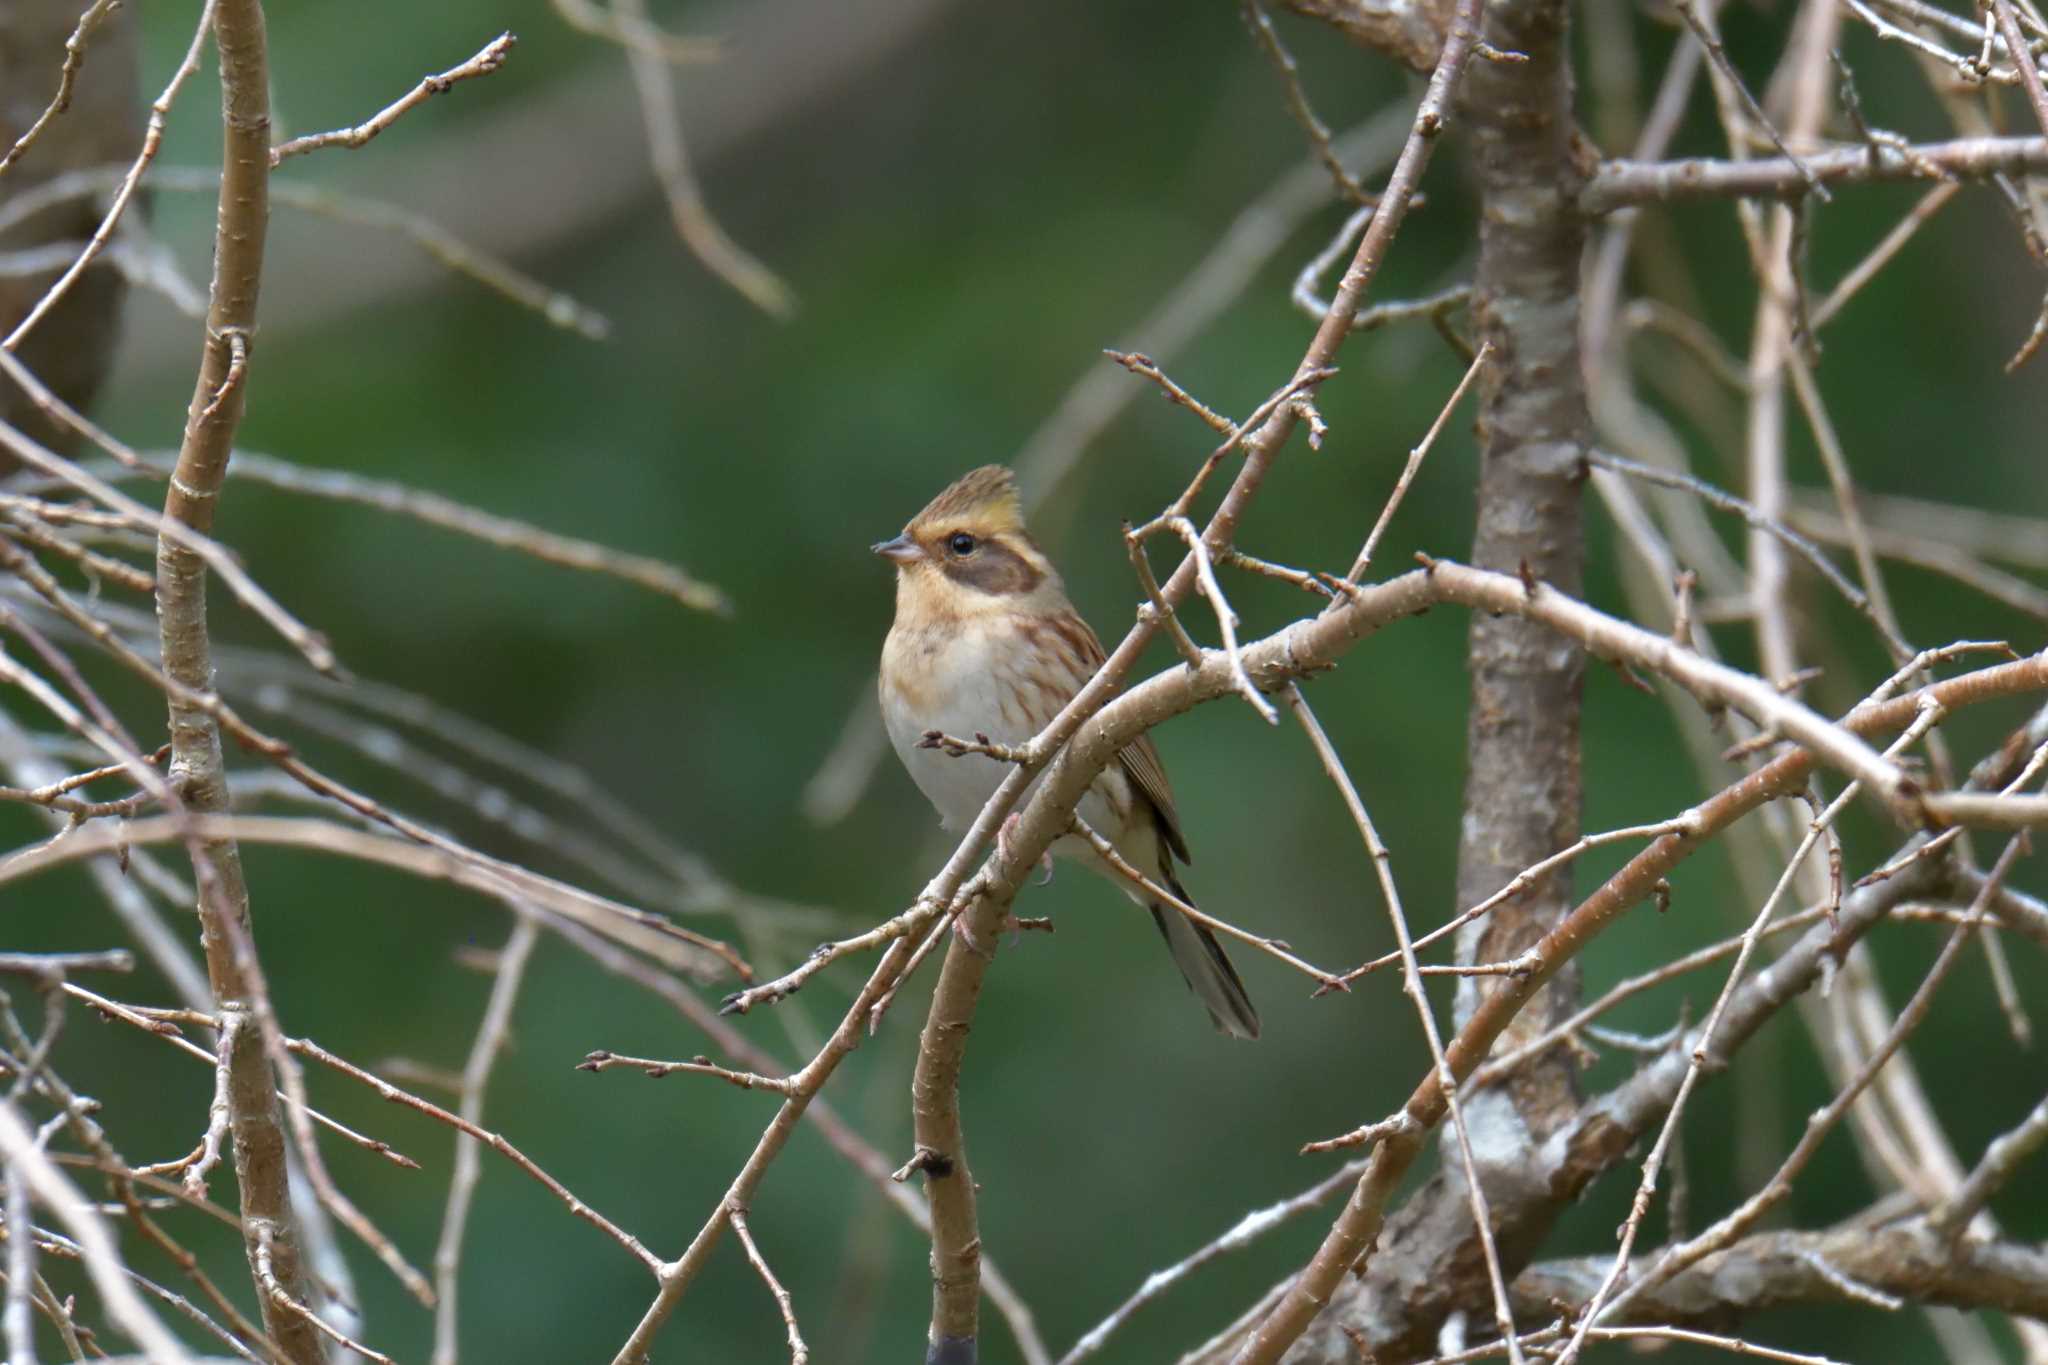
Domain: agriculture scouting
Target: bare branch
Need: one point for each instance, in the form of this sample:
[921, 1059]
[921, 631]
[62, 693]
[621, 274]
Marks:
[1153, 891]
[1415, 458]
[799, 1354]
[1750, 513]
[1620, 183]
[67, 76]
[2002, 1160]
[1382, 861]
[491, 1036]
[1723, 1232]
[633, 32]
[152, 139]
[1702, 26]
[2023, 58]
[1282, 61]
[1241, 1234]
[1667, 1136]
[696, 1066]
[270, 1236]
[505, 532]
[53, 967]
[1772, 1269]
[387, 1091]
[493, 55]
[102, 1257]
[1357, 1228]
[700, 232]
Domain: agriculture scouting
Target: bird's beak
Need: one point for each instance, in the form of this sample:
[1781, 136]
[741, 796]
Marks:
[902, 550]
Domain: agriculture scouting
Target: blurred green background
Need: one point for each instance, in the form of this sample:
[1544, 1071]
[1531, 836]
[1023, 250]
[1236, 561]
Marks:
[969, 203]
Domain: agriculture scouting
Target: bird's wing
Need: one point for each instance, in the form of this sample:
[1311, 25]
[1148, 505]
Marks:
[1148, 775]
[1139, 758]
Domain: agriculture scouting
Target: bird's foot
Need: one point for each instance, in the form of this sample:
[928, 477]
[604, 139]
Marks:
[1006, 834]
[1006, 931]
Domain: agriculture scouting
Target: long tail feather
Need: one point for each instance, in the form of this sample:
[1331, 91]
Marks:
[1206, 968]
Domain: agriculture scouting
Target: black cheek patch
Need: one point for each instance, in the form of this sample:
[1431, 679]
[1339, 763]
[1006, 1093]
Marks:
[996, 570]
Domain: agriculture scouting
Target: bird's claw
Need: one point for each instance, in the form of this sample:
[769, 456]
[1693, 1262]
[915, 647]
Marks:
[1006, 931]
[1006, 834]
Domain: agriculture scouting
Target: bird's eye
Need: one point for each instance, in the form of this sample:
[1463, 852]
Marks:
[961, 544]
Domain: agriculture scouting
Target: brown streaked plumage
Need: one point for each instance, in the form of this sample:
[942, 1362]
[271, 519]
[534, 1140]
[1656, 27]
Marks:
[986, 642]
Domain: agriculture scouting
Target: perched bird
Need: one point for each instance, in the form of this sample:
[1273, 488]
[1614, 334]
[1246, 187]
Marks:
[986, 643]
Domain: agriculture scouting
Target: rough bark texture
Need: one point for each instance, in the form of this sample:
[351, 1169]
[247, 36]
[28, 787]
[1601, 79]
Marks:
[1426, 1263]
[1523, 790]
[72, 348]
[197, 769]
[1522, 786]
[1780, 1269]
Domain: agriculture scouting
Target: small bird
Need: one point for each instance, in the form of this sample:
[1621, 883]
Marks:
[985, 643]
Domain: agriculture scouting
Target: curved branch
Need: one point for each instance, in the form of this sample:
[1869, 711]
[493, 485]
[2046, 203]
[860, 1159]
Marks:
[1309, 644]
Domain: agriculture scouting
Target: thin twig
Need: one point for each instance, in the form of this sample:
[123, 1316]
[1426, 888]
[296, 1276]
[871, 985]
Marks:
[67, 77]
[1226, 615]
[700, 232]
[1141, 565]
[2002, 1160]
[1382, 861]
[696, 1066]
[1929, 716]
[491, 1036]
[633, 32]
[1153, 891]
[1620, 182]
[385, 1090]
[888, 931]
[164, 1024]
[1144, 367]
[1702, 25]
[1879, 256]
[505, 532]
[1241, 1234]
[1282, 61]
[492, 56]
[152, 139]
[51, 968]
[1822, 1122]
[1415, 458]
[99, 1252]
[799, 1353]
[1728, 502]
[2023, 58]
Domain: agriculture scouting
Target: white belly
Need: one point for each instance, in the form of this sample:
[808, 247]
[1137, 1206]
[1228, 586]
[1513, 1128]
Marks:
[967, 685]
